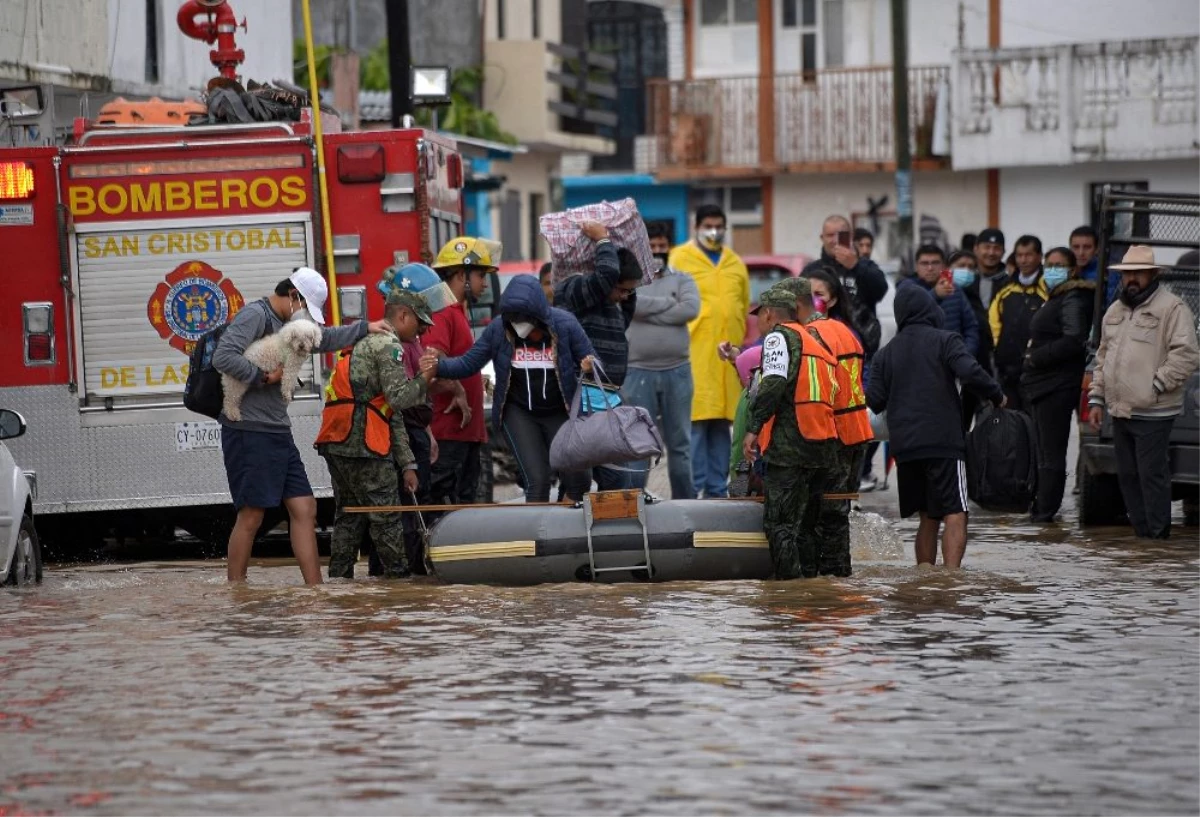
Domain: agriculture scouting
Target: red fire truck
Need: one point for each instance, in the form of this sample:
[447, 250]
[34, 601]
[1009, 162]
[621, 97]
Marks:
[125, 245]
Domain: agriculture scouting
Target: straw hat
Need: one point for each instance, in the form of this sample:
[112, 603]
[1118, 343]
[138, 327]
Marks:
[1138, 257]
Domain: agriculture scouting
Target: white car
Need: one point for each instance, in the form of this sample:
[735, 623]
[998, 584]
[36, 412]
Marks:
[20, 552]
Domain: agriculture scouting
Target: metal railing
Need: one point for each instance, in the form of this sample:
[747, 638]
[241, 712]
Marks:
[1083, 89]
[587, 94]
[825, 117]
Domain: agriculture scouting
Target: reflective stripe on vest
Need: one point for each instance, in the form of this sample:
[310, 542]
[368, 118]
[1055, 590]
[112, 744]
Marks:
[337, 418]
[850, 404]
[816, 390]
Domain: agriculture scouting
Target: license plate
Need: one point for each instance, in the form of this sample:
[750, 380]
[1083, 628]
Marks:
[197, 436]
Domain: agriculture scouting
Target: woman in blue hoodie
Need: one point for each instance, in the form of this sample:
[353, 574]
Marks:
[538, 352]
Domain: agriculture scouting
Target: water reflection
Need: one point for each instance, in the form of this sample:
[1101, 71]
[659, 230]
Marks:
[1056, 673]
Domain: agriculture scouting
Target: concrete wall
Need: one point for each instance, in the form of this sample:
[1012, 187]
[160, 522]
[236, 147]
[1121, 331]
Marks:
[55, 33]
[933, 25]
[527, 173]
[1049, 202]
[518, 20]
[183, 62]
[801, 203]
[515, 88]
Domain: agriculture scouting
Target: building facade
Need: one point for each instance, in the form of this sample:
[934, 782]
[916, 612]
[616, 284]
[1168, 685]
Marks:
[1019, 110]
[90, 51]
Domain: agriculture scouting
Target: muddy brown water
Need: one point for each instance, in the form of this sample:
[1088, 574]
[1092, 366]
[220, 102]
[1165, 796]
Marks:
[1057, 674]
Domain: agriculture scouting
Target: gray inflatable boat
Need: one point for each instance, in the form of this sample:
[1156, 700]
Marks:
[617, 536]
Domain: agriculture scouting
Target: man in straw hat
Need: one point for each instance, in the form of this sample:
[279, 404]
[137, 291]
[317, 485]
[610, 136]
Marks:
[1147, 353]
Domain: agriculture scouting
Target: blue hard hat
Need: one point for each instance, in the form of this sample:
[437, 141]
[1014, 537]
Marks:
[411, 277]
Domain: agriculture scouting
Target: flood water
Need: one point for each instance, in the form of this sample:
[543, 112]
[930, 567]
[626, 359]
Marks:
[1052, 675]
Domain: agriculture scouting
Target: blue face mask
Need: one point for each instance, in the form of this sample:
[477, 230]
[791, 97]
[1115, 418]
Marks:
[963, 277]
[1053, 276]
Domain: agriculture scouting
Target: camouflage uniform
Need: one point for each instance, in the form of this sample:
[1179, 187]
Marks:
[361, 477]
[833, 529]
[797, 469]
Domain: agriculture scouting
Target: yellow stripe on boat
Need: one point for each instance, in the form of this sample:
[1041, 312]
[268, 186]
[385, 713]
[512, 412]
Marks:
[483, 550]
[728, 539]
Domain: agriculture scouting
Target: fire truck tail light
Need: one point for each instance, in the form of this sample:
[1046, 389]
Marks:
[360, 163]
[16, 181]
[353, 301]
[38, 321]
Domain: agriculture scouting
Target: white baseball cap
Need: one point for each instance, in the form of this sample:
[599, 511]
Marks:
[312, 289]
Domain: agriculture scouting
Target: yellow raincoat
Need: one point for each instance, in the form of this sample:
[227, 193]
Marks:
[724, 306]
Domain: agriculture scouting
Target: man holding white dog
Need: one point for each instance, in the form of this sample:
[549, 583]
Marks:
[261, 460]
[362, 445]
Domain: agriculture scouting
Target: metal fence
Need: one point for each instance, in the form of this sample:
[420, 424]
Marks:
[1170, 223]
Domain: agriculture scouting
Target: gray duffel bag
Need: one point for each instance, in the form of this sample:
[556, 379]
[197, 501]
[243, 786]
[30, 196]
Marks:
[614, 436]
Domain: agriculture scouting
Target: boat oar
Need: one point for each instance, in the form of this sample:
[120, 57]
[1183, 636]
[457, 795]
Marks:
[432, 508]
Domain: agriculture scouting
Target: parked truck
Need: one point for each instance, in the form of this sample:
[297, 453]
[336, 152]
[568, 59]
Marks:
[1170, 223]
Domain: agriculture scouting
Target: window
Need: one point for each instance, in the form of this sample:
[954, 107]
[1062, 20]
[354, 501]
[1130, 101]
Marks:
[833, 32]
[728, 12]
[806, 29]
[537, 19]
[499, 19]
[152, 72]
[743, 206]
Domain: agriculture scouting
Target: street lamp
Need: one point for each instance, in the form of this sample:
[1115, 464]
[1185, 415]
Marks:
[430, 85]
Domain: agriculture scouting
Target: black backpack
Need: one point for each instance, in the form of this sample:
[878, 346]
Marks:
[202, 393]
[1002, 460]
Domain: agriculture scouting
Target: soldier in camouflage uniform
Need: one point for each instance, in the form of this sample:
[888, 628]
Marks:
[798, 468]
[363, 440]
[854, 429]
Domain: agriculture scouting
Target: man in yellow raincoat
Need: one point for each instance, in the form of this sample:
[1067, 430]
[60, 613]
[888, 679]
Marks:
[724, 286]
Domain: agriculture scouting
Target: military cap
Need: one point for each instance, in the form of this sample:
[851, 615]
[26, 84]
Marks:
[797, 286]
[775, 297]
[413, 301]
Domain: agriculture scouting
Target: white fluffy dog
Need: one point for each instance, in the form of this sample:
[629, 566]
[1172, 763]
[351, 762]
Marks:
[290, 347]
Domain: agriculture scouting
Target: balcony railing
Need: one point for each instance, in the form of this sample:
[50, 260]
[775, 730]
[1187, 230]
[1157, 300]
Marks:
[1132, 99]
[835, 119]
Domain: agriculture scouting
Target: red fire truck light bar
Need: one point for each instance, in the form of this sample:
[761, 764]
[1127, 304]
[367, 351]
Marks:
[178, 166]
[16, 181]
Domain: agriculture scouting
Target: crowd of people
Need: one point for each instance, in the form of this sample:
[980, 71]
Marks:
[786, 417]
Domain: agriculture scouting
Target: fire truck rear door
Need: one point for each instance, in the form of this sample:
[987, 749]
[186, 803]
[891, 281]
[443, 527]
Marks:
[147, 291]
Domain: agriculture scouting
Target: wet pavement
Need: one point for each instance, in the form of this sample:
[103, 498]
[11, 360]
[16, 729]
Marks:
[1058, 673]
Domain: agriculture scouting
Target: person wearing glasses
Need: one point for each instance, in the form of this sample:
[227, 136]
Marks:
[604, 301]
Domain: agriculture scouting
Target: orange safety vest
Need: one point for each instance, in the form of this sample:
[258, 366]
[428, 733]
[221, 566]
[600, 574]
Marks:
[816, 386]
[850, 405]
[337, 418]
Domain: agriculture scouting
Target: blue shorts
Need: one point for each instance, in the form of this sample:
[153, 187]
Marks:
[263, 468]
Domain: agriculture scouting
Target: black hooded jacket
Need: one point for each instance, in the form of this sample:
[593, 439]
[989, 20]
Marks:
[1058, 335]
[913, 379]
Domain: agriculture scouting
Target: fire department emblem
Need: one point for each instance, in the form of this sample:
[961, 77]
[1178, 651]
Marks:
[193, 300]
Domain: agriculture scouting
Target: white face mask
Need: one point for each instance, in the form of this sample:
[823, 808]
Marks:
[712, 238]
[301, 315]
[523, 328]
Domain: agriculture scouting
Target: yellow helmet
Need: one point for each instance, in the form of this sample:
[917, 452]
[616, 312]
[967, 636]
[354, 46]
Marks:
[465, 251]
